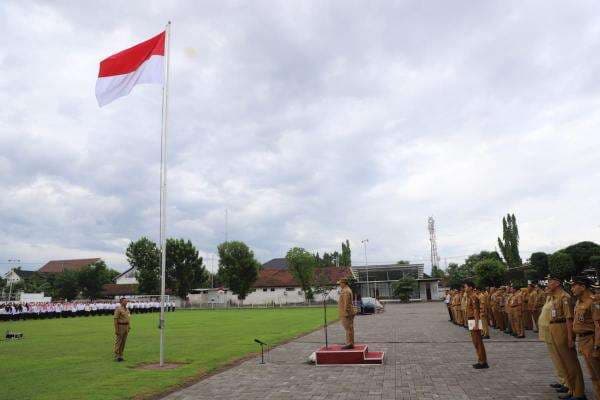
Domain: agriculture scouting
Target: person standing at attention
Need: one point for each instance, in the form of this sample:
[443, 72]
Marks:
[346, 312]
[473, 311]
[122, 328]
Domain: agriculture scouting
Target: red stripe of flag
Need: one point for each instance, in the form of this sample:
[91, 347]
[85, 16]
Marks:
[129, 60]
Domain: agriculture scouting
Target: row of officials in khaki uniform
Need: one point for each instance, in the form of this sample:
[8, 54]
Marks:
[569, 323]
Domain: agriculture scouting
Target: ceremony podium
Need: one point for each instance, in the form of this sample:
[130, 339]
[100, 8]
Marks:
[360, 354]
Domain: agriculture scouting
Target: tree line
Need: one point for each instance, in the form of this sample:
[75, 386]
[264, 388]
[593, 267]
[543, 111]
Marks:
[490, 268]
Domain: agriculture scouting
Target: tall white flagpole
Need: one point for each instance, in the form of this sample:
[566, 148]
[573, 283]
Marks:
[163, 194]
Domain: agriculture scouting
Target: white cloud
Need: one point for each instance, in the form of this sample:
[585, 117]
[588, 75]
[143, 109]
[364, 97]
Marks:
[310, 122]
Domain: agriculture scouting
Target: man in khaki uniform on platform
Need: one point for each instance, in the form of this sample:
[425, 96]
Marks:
[527, 318]
[346, 311]
[563, 339]
[122, 328]
[584, 327]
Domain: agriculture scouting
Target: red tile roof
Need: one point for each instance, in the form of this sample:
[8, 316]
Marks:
[58, 266]
[112, 289]
[274, 277]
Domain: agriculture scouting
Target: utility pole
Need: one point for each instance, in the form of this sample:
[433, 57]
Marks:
[364, 242]
[18, 262]
[212, 272]
[226, 225]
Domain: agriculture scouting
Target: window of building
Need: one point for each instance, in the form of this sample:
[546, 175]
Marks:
[264, 289]
[272, 289]
[289, 289]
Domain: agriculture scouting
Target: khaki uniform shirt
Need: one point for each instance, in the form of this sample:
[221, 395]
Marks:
[544, 322]
[583, 321]
[596, 307]
[345, 307]
[123, 317]
[561, 306]
[473, 305]
[540, 298]
[483, 303]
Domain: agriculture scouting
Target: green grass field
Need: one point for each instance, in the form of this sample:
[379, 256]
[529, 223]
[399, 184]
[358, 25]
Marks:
[72, 358]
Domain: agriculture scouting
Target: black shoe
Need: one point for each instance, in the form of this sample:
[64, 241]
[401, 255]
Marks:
[562, 389]
[347, 347]
[566, 396]
[521, 337]
[486, 337]
[481, 366]
[556, 385]
[120, 359]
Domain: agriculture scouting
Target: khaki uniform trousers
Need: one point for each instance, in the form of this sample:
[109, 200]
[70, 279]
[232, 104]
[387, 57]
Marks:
[348, 324]
[479, 347]
[559, 368]
[120, 339]
[585, 344]
[527, 322]
[499, 320]
[568, 358]
[517, 321]
[486, 326]
[536, 316]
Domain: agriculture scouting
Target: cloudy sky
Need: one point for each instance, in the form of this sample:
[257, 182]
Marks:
[310, 122]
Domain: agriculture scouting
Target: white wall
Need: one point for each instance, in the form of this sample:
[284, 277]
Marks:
[34, 298]
[279, 296]
[434, 290]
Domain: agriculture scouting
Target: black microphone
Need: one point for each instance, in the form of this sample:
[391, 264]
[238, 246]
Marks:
[259, 342]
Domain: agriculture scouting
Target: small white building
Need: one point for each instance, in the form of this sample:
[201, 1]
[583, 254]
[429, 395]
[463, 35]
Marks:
[127, 277]
[16, 275]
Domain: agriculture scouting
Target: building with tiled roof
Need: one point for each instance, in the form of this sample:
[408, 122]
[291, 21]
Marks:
[59, 266]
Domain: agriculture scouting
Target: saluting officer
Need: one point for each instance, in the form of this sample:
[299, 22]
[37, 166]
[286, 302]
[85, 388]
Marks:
[122, 327]
[584, 327]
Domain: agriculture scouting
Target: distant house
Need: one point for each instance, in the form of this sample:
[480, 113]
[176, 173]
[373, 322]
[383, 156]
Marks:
[60, 266]
[127, 277]
[273, 286]
[276, 263]
[16, 275]
[112, 290]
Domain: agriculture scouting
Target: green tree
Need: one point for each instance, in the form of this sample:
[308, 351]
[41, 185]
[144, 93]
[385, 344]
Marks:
[509, 244]
[580, 254]
[489, 272]
[437, 272]
[561, 265]
[403, 288]
[238, 268]
[301, 265]
[92, 277]
[67, 285]
[538, 266]
[456, 275]
[144, 256]
[346, 256]
[184, 267]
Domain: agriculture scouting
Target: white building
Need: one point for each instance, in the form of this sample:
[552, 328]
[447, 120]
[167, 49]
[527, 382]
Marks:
[16, 275]
[273, 286]
[127, 278]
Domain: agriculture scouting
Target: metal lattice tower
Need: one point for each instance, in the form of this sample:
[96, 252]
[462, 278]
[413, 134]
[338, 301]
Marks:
[435, 258]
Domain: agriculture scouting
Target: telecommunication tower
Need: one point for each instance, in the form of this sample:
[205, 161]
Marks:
[435, 258]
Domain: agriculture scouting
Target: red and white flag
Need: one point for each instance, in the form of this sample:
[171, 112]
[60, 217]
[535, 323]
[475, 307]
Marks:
[119, 73]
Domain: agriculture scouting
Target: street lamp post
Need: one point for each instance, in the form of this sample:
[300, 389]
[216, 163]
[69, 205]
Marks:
[364, 242]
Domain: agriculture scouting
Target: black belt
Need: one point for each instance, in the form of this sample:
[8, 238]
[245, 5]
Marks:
[584, 334]
[123, 323]
[559, 321]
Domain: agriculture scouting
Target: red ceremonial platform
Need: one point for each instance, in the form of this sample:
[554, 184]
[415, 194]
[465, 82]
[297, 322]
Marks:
[360, 354]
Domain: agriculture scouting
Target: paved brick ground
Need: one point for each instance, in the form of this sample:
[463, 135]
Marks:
[426, 358]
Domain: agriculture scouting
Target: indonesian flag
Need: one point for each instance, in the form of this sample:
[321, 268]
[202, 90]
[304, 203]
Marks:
[119, 73]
